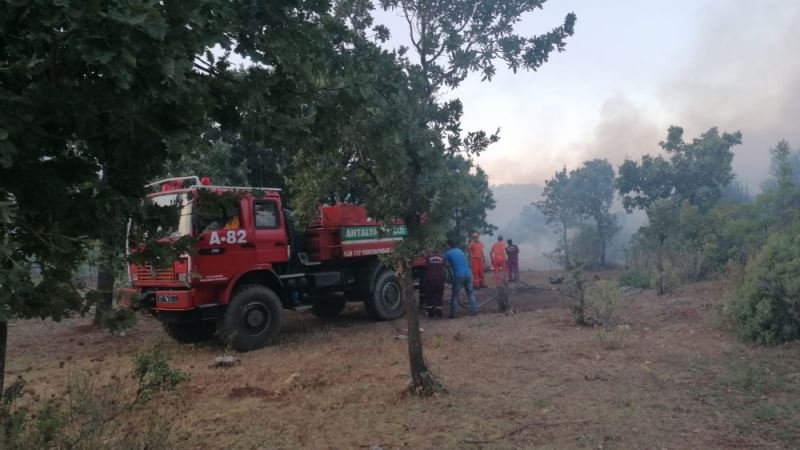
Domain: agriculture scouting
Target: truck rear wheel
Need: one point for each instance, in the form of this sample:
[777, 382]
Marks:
[386, 301]
[191, 332]
[328, 308]
[253, 318]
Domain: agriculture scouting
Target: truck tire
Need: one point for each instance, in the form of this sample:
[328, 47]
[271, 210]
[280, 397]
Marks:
[252, 320]
[191, 332]
[386, 300]
[328, 308]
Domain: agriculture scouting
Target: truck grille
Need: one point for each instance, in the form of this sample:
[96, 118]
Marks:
[147, 273]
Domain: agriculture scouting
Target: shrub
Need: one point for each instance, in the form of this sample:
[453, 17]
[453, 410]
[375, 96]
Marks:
[612, 338]
[118, 320]
[766, 307]
[578, 293]
[635, 278]
[601, 304]
[154, 373]
[91, 414]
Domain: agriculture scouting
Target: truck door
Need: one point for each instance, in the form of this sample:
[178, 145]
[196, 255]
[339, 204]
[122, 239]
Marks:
[271, 238]
[222, 244]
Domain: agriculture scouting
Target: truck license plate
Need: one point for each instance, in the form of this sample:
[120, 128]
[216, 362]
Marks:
[168, 299]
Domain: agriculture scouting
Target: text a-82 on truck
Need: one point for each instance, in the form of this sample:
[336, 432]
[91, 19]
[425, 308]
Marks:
[248, 262]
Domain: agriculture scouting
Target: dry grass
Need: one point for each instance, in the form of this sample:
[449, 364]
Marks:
[533, 379]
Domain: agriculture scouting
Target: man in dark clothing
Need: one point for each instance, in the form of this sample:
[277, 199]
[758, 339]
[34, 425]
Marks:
[513, 261]
[434, 283]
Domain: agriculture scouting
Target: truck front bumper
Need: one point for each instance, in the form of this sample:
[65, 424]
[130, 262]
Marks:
[159, 299]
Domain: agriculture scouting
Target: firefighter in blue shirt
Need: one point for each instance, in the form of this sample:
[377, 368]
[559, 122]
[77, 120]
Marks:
[462, 277]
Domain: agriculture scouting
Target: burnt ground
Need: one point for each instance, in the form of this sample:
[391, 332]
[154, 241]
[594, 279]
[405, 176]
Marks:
[674, 377]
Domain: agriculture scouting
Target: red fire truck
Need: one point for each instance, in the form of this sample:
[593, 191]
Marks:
[251, 263]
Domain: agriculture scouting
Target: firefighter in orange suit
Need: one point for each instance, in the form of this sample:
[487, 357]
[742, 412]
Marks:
[476, 260]
[498, 255]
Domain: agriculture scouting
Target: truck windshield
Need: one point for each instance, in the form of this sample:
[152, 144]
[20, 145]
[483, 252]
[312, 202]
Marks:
[167, 215]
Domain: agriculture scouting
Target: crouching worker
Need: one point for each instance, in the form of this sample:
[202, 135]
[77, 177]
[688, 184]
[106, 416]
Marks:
[434, 284]
[462, 278]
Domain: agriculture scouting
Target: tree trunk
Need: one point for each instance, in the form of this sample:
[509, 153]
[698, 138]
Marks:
[423, 382]
[104, 296]
[105, 280]
[567, 264]
[504, 298]
[602, 250]
[660, 288]
[3, 344]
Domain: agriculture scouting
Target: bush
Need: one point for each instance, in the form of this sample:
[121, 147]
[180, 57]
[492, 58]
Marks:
[118, 320]
[91, 414]
[635, 278]
[601, 304]
[154, 373]
[612, 338]
[766, 308]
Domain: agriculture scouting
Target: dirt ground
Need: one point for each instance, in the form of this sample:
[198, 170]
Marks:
[673, 378]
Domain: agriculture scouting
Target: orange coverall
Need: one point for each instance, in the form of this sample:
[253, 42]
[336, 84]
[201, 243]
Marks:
[498, 255]
[476, 263]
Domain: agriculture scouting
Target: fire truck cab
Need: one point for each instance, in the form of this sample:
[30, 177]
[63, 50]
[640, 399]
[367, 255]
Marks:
[251, 262]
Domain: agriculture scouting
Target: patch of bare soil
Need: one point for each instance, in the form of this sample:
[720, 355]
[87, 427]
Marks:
[528, 380]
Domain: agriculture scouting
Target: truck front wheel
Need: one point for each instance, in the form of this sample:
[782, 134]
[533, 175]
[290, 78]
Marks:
[253, 318]
[191, 332]
[386, 300]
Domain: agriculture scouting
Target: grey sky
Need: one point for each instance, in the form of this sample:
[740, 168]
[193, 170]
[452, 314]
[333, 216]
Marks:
[632, 69]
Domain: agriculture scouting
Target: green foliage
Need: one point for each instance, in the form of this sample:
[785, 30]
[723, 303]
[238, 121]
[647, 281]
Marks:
[602, 304]
[90, 415]
[695, 172]
[560, 209]
[153, 374]
[571, 198]
[593, 190]
[684, 241]
[635, 278]
[474, 201]
[612, 338]
[90, 95]
[781, 196]
[118, 320]
[578, 288]
[457, 37]
[766, 308]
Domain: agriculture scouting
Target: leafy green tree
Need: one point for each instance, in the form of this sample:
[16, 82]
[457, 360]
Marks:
[593, 186]
[781, 195]
[90, 95]
[663, 222]
[475, 199]
[560, 209]
[695, 171]
[455, 38]
[400, 142]
[766, 308]
[94, 99]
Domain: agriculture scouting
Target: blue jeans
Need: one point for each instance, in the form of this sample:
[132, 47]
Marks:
[466, 283]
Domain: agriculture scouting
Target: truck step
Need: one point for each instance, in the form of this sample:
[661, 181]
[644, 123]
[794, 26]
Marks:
[302, 308]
